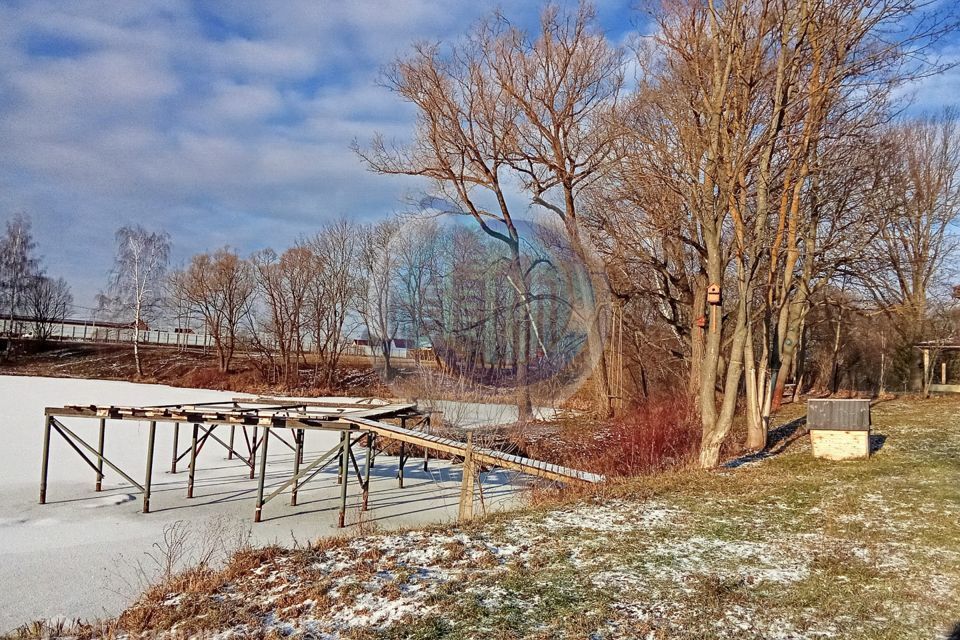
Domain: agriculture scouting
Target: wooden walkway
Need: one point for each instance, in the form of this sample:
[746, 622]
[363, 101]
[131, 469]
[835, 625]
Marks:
[358, 420]
[482, 455]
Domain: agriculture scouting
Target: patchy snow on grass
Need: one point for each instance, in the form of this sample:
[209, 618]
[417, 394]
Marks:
[752, 561]
[613, 517]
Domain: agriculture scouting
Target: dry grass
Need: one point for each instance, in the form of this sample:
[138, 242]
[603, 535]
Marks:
[191, 368]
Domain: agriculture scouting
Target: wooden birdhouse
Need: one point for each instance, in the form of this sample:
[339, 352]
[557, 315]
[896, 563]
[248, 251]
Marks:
[713, 294]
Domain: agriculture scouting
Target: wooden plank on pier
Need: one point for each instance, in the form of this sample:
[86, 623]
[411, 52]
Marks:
[482, 455]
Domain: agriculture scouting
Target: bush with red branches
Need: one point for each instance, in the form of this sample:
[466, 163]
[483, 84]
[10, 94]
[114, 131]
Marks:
[657, 435]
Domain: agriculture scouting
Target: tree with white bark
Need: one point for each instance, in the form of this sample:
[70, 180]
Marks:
[18, 266]
[135, 287]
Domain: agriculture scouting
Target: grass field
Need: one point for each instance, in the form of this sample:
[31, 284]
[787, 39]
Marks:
[780, 547]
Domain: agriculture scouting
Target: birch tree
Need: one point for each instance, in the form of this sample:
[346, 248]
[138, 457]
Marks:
[18, 265]
[135, 286]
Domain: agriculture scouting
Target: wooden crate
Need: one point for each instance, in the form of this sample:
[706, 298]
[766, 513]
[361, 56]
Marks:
[834, 444]
[839, 429]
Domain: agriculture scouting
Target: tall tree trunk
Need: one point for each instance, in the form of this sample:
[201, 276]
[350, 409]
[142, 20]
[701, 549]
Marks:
[136, 341]
[835, 369]
[522, 336]
[756, 425]
[716, 424]
[797, 311]
[697, 336]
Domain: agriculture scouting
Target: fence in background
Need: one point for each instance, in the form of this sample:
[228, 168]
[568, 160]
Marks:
[93, 332]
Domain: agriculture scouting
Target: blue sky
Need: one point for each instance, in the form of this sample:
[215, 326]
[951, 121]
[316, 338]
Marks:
[220, 122]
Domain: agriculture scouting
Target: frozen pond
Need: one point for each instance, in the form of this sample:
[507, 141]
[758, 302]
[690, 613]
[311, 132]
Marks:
[81, 554]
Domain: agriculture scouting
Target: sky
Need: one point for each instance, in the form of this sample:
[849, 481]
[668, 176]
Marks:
[223, 123]
[219, 122]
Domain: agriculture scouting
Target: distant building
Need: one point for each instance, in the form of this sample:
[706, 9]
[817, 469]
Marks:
[399, 347]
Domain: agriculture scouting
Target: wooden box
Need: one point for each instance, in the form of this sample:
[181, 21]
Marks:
[839, 429]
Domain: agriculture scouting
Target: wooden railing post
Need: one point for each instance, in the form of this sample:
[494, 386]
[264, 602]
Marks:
[466, 488]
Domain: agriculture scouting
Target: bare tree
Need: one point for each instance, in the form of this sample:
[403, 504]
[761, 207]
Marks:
[332, 293]
[724, 167]
[920, 199]
[135, 287]
[282, 282]
[218, 287]
[48, 301]
[18, 265]
[565, 81]
[464, 143]
[378, 301]
[416, 266]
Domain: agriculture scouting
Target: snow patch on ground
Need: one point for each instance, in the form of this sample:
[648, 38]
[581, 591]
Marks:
[613, 517]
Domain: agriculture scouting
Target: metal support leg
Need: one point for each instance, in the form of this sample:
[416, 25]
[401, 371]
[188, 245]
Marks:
[233, 432]
[45, 460]
[344, 461]
[151, 440]
[193, 460]
[253, 453]
[100, 439]
[366, 469]
[341, 468]
[263, 474]
[297, 459]
[303, 435]
[176, 445]
[403, 460]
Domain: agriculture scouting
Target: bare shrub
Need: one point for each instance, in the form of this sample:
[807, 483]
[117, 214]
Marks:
[658, 435]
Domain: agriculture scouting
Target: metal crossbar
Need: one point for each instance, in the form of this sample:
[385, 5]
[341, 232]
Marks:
[62, 428]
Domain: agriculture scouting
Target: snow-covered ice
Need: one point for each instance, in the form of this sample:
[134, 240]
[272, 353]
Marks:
[78, 555]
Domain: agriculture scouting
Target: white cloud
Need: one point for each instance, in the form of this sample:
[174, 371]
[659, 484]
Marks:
[224, 121]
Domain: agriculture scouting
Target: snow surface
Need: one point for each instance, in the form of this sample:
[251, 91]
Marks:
[85, 554]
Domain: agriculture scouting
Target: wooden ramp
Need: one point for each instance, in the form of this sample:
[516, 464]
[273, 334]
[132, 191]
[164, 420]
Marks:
[480, 455]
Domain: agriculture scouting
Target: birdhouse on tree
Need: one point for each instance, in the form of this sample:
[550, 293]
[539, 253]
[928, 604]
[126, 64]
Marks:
[713, 294]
